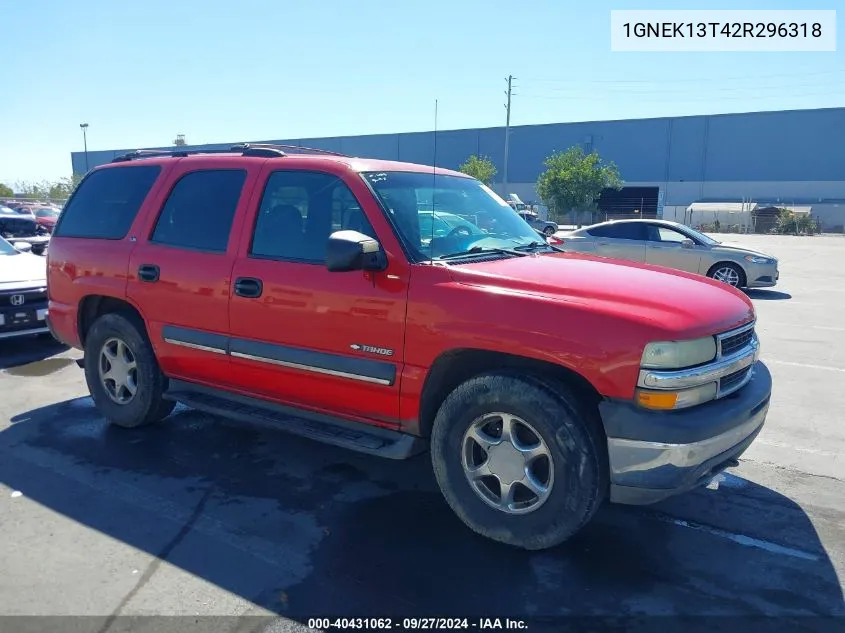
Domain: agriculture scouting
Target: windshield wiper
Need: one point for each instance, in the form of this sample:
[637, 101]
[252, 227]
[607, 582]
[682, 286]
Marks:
[534, 245]
[479, 250]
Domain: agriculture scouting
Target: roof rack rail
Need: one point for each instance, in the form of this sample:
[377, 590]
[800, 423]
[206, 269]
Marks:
[265, 150]
[296, 148]
[176, 153]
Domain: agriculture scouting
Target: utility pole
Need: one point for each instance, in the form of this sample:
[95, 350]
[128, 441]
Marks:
[507, 134]
[84, 127]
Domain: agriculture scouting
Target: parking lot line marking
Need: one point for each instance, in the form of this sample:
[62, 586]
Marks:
[806, 365]
[740, 539]
[792, 447]
[828, 328]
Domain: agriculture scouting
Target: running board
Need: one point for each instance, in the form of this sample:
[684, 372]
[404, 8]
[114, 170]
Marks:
[355, 436]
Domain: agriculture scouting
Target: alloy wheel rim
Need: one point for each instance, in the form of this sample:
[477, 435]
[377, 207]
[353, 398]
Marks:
[727, 275]
[118, 370]
[507, 463]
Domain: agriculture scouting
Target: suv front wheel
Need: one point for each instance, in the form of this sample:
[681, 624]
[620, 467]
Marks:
[518, 460]
[122, 373]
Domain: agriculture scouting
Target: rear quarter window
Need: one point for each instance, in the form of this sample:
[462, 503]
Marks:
[106, 202]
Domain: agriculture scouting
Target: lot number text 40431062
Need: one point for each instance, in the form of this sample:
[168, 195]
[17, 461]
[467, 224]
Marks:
[418, 624]
[729, 30]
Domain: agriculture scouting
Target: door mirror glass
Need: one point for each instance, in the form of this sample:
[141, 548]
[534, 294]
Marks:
[688, 243]
[351, 250]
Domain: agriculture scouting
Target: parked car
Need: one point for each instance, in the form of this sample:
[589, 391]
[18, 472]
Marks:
[295, 286]
[45, 217]
[17, 227]
[439, 224]
[674, 245]
[23, 292]
[546, 227]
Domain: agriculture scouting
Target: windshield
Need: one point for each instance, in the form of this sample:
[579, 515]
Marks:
[47, 213]
[7, 249]
[700, 236]
[467, 214]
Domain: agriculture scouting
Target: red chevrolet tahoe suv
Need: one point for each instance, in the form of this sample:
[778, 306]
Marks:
[307, 289]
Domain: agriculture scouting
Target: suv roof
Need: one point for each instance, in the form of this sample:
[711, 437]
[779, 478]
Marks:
[287, 152]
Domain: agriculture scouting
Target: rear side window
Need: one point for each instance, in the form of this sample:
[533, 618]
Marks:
[629, 231]
[106, 202]
[199, 211]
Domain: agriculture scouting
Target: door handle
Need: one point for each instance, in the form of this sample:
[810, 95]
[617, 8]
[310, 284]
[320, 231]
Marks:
[148, 272]
[248, 287]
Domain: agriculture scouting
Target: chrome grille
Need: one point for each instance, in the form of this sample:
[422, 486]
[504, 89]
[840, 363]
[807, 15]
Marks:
[31, 297]
[733, 342]
[732, 380]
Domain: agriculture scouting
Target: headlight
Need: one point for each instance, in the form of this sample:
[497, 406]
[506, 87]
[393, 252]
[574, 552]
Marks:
[679, 354]
[756, 259]
[680, 399]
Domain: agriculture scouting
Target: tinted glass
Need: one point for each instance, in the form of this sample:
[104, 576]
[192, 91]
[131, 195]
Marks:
[668, 235]
[199, 211]
[299, 210]
[106, 202]
[621, 231]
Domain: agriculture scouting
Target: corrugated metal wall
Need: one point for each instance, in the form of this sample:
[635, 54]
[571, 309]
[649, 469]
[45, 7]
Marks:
[681, 153]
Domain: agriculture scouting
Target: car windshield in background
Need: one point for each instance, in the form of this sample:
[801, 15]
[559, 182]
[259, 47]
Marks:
[47, 213]
[7, 249]
[447, 215]
[700, 236]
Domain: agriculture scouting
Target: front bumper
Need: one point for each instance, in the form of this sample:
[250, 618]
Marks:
[761, 275]
[39, 243]
[656, 455]
[24, 320]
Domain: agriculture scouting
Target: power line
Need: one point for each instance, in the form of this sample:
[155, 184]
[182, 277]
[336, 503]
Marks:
[682, 80]
[684, 90]
[697, 98]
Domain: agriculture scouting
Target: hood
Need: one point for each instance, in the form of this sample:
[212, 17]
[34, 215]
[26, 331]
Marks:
[22, 268]
[739, 249]
[680, 304]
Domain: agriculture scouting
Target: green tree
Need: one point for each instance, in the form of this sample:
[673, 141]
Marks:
[790, 223]
[53, 190]
[33, 189]
[63, 187]
[574, 180]
[5, 192]
[479, 167]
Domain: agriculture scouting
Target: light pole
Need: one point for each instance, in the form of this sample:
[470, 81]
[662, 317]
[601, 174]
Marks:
[84, 127]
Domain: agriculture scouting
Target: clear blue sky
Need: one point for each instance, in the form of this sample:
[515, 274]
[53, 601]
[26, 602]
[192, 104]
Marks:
[140, 72]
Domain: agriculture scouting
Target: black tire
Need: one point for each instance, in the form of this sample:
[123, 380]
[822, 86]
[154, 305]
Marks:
[737, 269]
[573, 434]
[147, 406]
[549, 231]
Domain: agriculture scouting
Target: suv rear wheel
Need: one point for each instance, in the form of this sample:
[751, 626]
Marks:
[519, 461]
[122, 373]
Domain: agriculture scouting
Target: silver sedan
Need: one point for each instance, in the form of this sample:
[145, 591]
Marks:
[674, 245]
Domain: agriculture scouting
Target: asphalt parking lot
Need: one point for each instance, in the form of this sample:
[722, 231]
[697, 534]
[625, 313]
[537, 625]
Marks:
[206, 517]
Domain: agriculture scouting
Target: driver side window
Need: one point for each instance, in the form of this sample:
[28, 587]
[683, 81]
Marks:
[298, 212]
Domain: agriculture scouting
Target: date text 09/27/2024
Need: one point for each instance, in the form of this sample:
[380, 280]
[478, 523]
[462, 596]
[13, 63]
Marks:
[416, 624]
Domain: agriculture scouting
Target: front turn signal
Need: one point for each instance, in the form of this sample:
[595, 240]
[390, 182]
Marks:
[657, 399]
[668, 400]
